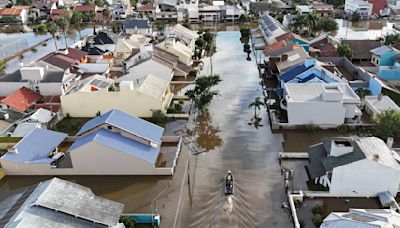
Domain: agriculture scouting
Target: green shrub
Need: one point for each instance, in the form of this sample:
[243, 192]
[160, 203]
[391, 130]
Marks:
[317, 209]
[158, 117]
[317, 219]
[128, 221]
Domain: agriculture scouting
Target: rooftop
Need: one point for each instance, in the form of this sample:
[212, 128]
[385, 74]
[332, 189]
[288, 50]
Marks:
[378, 105]
[35, 147]
[382, 50]
[84, 8]
[154, 86]
[126, 122]
[10, 12]
[294, 57]
[361, 48]
[22, 99]
[60, 203]
[50, 75]
[137, 23]
[312, 91]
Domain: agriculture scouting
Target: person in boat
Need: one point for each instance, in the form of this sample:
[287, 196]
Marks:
[229, 180]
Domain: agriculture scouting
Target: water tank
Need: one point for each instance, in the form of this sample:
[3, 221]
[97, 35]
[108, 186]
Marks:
[32, 73]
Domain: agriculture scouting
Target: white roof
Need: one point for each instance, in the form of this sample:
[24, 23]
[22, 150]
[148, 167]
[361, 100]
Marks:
[23, 129]
[218, 3]
[377, 106]
[154, 86]
[42, 115]
[376, 149]
[303, 8]
[305, 92]
[362, 218]
[98, 68]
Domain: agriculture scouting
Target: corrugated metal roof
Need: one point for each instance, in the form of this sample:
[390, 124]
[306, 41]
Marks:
[386, 198]
[36, 146]
[128, 123]
[119, 143]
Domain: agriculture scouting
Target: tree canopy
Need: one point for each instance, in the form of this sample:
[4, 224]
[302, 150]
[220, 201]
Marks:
[202, 94]
[387, 124]
[345, 51]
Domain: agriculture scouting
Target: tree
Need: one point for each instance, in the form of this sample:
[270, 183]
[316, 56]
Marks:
[106, 14]
[327, 24]
[392, 39]
[63, 25]
[299, 23]
[312, 20]
[202, 95]
[243, 18]
[345, 50]
[52, 29]
[387, 124]
[362, 92]
[208, 36]
[77, 19]
[257, 104]
[8, 20]
[128, 221]
[160, 26]
[200, 43]
[158, 117]
[187, 25]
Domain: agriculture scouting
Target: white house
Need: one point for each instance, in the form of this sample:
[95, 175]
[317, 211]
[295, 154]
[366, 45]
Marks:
[363, 8]
[360, 167]
[19, 14]
[184, 34]
[362, 218]
[336, 103]
[114, 143]
[303, 9]
[178, 48]
[210, 13]
[380, 103]
[46, 81]
[98, 94]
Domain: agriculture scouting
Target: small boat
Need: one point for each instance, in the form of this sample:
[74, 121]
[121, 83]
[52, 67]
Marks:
[229, 183]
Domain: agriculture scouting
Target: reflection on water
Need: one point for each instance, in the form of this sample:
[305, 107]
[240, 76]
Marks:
[220, 210]
[207, 134]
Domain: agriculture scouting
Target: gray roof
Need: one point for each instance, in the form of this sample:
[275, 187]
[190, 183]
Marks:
[137, 23]
[126, 122]
[363, 148]
[60, 203]
[49, 76]
[383, 50]
[361, 48]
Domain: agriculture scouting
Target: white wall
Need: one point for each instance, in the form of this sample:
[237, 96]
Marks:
[7, 88]
[87, 104]
[316, 113]
[50, 89]
[144, 31]
[364, 178]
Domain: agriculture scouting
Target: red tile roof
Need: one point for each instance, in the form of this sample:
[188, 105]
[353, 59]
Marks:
[288, 36]
[58, 11]
[10, 12]
[148, 7]
[22, 99]
[377, 5]
[84, 8]
[275, 46]
[21, 7]
[75, 53]
[322, 6]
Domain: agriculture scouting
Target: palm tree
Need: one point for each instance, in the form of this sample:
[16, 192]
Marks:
[105, 13]
[299, 23]
[63, 24]
[362, 92]
[77, 19]
[52, 28]
[311, 21]
[92, 17]
[257, 104]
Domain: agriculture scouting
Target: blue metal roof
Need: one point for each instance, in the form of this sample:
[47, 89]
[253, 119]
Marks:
[292, 72]
[382, 50]
[128, 123]
[36, 146]
[119, 143]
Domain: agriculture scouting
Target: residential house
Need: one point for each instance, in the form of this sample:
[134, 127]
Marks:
[288, 19]
[148, 10]
[119, 143]
[105, 41]
[56, 14]
[361, 48]
[296, 39]
[323, 46]
[303, 9]
[209, 13]
[126, 49]
[362, 218]
[340, 165]
[290, 59]
[18, 14]
[363, 8]
[41, 9]
[98, 94]
[121, 11]
[391, 73]
[259, 8]
[336, 103]
[184, 34]
[166, 10]
[192, 12]
[231, 13]
[59, 203]
[86, 10]
[378, 6]
[21, 100]
[323, 10]
[383, 56]
[178, 48]
[138, 26]
[270, 28]
[47, 82]
[63, 59]
[380, 103]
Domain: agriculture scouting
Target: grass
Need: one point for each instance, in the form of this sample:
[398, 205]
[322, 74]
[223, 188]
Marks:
[10, 139]
[70, 125]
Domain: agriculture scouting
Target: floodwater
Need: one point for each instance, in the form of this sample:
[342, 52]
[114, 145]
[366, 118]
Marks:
[14, 42]
[363, 30]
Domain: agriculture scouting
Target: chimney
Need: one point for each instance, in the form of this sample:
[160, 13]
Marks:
[380, 97]
[284, 57]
